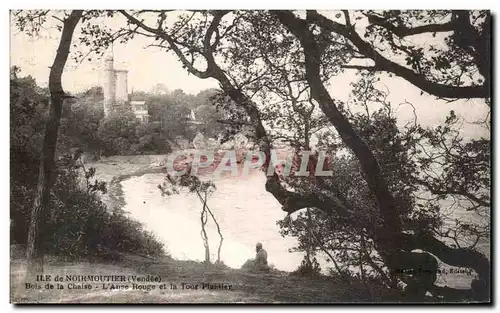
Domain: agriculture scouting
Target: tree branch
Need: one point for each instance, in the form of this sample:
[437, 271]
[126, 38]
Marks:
[369, 164]
[360, 67]
[383, 64]
[448, 191]
[403, 31]
[170, 41]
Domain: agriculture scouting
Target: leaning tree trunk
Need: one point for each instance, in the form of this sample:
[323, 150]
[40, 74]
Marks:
[394, 246]
[34, 252]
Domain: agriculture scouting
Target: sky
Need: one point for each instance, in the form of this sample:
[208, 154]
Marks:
[149, 66]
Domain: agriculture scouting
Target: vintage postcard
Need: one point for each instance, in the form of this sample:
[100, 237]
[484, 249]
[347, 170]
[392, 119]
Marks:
[250, 156]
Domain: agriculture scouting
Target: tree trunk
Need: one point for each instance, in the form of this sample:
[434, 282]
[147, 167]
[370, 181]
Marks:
[393, 245]
[388, 237]
[204, 236]
[219, 231]
[46, 176]
[204, 202]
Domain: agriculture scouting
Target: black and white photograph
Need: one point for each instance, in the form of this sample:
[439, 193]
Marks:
[250, 156]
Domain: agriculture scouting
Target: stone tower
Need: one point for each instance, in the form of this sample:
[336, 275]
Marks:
[115, 86]
[115, 89]
[121, 87]
[109, 85]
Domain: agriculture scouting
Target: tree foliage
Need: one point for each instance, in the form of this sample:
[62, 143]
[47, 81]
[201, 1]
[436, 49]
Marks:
[275, 66]
[296, 52]
[78, 224]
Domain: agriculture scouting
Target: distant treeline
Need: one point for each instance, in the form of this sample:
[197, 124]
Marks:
[84, 126]
[78, 224]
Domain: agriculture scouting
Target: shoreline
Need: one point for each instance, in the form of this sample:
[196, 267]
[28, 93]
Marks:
[115, 189]
[119, 171]
[116, 169]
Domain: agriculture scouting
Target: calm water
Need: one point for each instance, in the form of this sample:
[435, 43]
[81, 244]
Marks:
[247, 214]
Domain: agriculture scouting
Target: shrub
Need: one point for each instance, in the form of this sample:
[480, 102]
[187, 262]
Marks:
[79, 225]
[308, 268]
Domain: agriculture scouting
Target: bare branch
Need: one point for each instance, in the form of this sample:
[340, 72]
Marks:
[360, 67]
[384, 64]
[403, 31]
[171, 42]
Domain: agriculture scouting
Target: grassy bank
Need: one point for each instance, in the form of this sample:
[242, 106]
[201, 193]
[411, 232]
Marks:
[244, 287]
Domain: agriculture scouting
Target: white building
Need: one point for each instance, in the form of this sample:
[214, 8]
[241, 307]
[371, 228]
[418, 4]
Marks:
[140, 110]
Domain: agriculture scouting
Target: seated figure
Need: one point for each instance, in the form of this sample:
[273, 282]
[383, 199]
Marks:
[260, 262]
